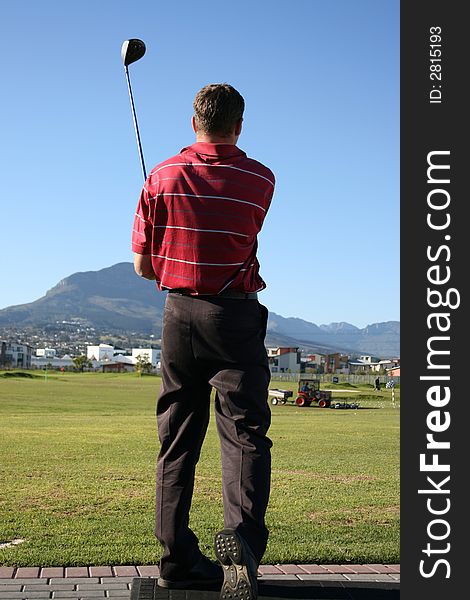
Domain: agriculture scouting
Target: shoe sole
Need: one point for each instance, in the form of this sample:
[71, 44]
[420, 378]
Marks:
[188, 583]
[238, 584]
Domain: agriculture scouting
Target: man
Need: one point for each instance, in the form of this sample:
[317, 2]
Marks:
[195, 233]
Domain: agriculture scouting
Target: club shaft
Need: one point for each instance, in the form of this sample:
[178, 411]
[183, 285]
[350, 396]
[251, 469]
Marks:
[136, 126]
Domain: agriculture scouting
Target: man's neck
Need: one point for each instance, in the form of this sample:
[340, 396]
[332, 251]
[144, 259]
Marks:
[215, 139]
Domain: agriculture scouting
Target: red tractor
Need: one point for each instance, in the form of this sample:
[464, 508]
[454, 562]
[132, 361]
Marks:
[309, 391]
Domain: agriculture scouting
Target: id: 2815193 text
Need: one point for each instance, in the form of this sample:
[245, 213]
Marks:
[435, 65]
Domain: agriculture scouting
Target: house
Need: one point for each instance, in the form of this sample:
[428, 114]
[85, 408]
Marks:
[394, 372]
[386, 364]
[316, 359]
[363, 364]
[336, 363]
[15, 355]
[119, 364]
[313, 363]
[284, 360]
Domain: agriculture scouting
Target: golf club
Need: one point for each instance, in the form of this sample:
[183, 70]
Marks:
[131, 51]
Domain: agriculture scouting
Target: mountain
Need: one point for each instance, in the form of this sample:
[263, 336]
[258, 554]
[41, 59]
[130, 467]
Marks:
[117, 299]
[114, 298]
[378, 339]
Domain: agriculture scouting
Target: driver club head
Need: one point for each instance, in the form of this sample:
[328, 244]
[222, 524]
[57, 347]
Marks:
[132, 50]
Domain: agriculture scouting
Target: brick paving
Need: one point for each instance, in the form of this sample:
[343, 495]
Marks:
[90, 583]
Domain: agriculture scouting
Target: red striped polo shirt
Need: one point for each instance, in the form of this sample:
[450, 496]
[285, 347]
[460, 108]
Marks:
[199, 214]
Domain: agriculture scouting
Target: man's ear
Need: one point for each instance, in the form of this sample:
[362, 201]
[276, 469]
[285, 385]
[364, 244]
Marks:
[193, 123]
[238, 126]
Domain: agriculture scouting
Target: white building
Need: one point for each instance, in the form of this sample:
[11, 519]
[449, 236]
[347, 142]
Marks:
[100, 353]
[46, 352]
[284, 360]
[153, 355]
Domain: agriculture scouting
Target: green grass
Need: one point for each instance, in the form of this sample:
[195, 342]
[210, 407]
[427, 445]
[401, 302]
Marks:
[78, 475]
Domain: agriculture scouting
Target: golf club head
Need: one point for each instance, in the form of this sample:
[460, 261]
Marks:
[132, 50]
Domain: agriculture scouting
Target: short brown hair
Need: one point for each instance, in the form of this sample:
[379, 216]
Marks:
[217, 108]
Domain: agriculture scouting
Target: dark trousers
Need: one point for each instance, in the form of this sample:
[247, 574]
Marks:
[212, 342]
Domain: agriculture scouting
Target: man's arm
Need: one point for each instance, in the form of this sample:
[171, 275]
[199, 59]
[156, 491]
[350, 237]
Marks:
[142, 237]
[143, 266]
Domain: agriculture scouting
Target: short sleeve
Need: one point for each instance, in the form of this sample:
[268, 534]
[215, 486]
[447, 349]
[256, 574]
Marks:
[143, 228]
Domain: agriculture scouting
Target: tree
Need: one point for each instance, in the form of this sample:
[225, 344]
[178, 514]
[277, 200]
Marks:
[81, 362]
[142, 364]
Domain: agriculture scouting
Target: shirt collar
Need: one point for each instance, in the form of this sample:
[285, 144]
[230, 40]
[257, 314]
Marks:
[214, 150]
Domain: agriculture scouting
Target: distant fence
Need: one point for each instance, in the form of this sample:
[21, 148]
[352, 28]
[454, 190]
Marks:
[342, 378]
[323, 377]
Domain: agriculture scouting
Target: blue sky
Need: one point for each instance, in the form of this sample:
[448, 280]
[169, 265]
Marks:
[320, 80]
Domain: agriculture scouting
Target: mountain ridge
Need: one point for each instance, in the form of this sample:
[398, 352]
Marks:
[116, 298]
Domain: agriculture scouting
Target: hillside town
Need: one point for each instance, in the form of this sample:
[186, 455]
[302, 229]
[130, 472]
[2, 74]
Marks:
[112, 358]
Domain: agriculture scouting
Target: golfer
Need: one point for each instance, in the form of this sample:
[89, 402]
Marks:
[195, 233]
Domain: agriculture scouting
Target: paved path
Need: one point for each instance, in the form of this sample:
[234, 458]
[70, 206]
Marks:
[89, 583]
